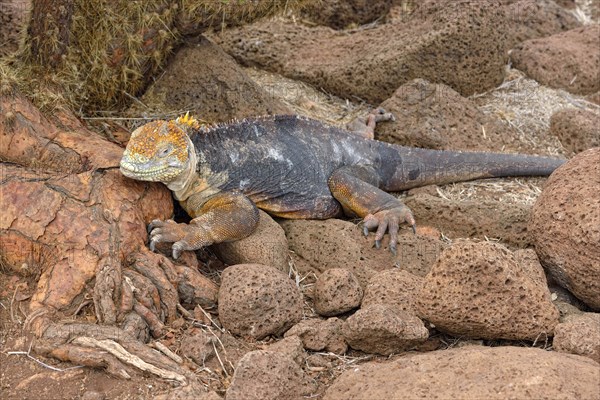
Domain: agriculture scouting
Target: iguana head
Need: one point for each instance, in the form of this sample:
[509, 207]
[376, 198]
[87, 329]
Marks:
[159, 151]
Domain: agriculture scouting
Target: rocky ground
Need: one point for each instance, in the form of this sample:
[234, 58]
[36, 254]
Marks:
[497, 294]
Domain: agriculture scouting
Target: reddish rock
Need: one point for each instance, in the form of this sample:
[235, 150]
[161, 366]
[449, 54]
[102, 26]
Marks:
[480, 290]
[321, 245]
[340, 14]
[568, 60]
[531, 19]
[473, 218]
[580, 334]
[472, 372]
[577, 130]
[565, 226]
[436, 116]
[291, 347]
[317, 334]
[266, 246]
[257, 300]
[594, 98]
[383, 329]
[216, 89]
[393, 287]
[460, 44]
[199, 347]
[337, 291]
[265, 375]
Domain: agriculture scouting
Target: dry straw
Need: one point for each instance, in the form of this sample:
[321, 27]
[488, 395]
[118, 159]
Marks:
[114, 48]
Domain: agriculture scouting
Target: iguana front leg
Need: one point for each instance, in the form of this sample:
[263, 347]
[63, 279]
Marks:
[356, 188]
[222, 217]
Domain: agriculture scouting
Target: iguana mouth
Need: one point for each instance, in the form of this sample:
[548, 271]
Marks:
[144, 172]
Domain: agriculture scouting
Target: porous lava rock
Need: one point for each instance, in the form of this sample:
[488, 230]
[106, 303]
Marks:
[577, 129]
[215, 89]
[461, 44]
[198, 347]
[321, 245]
[336, 291]
[472, 372]
[569, 60]
[479, 290]
[565, 226]
[436, 116]
[383, 329]
[317, 334]
[340, 14]
[579, 334]
[267, 245]
[291, 347]
[472, 218]
[267, 375]
[531, 19]
[258, 300]
[393, 287]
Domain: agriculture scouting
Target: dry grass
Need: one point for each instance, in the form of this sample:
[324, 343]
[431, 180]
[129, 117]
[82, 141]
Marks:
[117, 46]
[306, 100]
[584, 11]
[526, 107]
[510, 191]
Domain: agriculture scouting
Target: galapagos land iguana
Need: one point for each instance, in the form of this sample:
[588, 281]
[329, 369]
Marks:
[293, 167]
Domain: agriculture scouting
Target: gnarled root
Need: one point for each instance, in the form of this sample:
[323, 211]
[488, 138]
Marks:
[106, 347]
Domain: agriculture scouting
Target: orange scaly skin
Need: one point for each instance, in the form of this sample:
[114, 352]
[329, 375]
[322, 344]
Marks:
[293, 167]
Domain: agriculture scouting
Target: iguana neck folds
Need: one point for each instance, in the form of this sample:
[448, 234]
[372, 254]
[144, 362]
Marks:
[183, 185]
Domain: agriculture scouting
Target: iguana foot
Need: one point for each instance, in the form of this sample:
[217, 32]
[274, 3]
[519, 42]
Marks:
[365, 127]
[183, 236]
[389, 220]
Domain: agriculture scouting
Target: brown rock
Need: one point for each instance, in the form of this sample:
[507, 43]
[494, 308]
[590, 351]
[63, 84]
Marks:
[568, 60]
[264, 375]
[472, 372]
[291, 347]
[461, 45]
[199, 347]
[208, 83]
[321, 245]
[476, 219]
[340, 14]
[393, 287]
[337, 291]
[383, 329]
[479, 290]
[257, 300]
[266, 246]
[531, 19]
[580, 334]
[565, 226]
[317, 334]
[593, 98]
[529, 262]
[578, 130]
[435, 116]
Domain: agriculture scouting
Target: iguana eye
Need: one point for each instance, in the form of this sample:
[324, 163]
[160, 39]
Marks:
[165, 151]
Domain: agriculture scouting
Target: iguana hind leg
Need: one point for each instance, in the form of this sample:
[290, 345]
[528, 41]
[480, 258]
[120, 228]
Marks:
[365, 127]
[357, 189]
[223, 217]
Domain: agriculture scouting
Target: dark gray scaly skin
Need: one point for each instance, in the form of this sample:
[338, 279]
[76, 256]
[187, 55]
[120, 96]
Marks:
[295, 167]
[283, 163]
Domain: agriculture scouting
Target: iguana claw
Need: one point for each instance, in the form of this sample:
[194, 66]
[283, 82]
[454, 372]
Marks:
[168, 231]
[388, 220]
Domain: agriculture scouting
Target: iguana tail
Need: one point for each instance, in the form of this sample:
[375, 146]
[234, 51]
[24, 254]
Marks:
[420, 167]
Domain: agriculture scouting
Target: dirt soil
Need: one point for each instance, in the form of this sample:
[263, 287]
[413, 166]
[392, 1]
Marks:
[22, 377]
